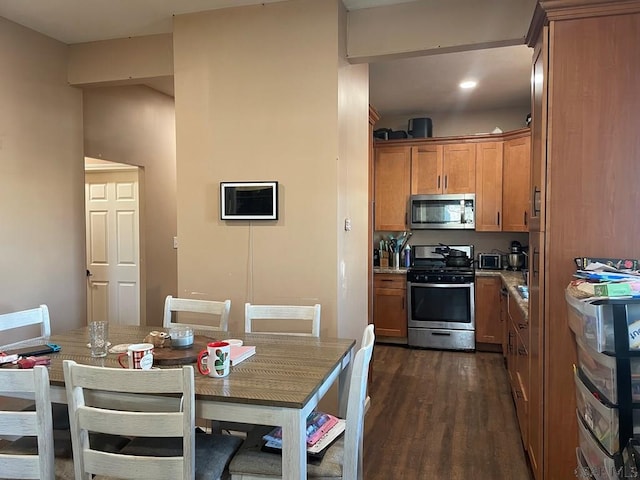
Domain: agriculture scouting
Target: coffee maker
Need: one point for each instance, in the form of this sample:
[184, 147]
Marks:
[515, 259]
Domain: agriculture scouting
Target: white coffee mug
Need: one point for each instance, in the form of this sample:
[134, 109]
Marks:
[140, 356]
[215, 361]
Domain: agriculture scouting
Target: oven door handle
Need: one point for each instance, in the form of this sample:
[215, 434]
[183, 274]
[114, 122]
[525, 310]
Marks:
[440, 285]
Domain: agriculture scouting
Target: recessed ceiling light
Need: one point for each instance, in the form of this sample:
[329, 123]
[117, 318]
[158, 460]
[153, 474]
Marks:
[468, 84]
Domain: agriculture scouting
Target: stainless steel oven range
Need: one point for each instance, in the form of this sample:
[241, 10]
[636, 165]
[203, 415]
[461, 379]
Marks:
[440, 297]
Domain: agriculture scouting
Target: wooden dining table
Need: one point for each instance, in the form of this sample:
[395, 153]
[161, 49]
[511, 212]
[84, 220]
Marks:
[279, 385]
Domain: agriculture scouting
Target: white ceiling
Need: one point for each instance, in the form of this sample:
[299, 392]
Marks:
[411, 85]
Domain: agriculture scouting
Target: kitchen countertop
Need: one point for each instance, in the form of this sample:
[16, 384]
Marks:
[399, 271]
[510, 280]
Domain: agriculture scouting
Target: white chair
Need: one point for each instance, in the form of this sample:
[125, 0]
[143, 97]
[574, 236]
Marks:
[35, 317]
[24, 318]
[165, 445]
[208, 307]
[34, 427]
[344, 458]
[272, 314]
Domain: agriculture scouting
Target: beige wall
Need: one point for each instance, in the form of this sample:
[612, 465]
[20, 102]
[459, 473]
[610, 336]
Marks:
[353, 190]
[136, 125]
[463, 122]
[41, 180]
[436, 26]
[121, 59]
[257, 99]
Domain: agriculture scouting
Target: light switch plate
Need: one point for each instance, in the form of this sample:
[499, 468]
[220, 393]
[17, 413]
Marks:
[175, 242]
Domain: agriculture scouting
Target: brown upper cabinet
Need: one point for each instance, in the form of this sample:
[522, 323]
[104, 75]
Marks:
[439, 169]
[489, 186]
[392, 176]
[516, 172]
[494, 167]
[502, 184]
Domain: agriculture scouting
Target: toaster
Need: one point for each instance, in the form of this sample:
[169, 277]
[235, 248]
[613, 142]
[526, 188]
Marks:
[490, 261]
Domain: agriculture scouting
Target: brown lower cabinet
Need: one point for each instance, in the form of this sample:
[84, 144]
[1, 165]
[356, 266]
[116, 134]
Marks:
[489, 327]
[390, 305]
[518, 364]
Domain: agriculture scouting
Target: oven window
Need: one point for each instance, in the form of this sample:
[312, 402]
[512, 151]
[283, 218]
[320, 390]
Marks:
[433, 304]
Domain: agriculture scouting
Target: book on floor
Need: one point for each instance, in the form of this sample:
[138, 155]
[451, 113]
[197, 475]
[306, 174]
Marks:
[240, 353]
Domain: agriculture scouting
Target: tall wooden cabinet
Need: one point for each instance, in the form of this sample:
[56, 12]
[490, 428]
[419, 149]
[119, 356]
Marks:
[583, 195]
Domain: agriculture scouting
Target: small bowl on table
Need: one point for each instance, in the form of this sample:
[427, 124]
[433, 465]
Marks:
[181, 336]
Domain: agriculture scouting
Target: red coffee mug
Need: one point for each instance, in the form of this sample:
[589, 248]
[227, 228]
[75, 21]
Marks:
[214, 361]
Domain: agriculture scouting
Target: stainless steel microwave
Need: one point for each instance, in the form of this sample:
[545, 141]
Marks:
[453, 211]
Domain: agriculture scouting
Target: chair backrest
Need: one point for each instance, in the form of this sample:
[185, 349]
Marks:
[218, 311]
[307, 314]
[25, 318]
[36, 423]
[171, 423]
[354, 431]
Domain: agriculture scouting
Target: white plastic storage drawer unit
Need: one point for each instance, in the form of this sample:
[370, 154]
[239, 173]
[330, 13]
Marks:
[601, 465]
[592, 321]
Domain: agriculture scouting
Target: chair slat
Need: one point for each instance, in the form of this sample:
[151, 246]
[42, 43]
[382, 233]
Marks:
[139, 424]
[19, 466]
[25, 318]
[219, 310]
[303, 313]
[134, 381]
[132, 466]
[18, 423]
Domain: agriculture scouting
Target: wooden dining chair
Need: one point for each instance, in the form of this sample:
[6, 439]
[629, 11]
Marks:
[165, 443]
[343, 459]
[282, 319]
[216, 312]
[32, 455]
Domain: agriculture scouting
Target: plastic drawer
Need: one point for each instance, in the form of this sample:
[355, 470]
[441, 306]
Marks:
[600, 369]
[592, 322]
[583, 472]
[601, 420]
[601, 465]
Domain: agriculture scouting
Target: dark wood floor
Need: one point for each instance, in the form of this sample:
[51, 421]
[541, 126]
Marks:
[441, 415]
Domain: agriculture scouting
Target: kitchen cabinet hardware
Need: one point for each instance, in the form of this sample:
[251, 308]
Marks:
[522, 326]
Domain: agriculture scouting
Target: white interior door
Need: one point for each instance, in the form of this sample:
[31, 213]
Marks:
[113, 246]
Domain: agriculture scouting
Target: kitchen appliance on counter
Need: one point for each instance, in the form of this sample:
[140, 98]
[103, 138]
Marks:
[440, 297]
[489, 261]
[516, 256]
[449, 211]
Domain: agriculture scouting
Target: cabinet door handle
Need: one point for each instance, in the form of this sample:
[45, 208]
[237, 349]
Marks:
[522, 326]
[525, 217]
[438, 182]
[386, 280]
[536, 201]
[404, 301]
[498, 218]
[536, 260]
[446, 181]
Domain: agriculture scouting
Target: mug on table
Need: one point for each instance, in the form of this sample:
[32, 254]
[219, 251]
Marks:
[215, 361]
[140, 356]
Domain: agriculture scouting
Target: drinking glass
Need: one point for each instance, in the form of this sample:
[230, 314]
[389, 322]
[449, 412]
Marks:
[98, 338]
